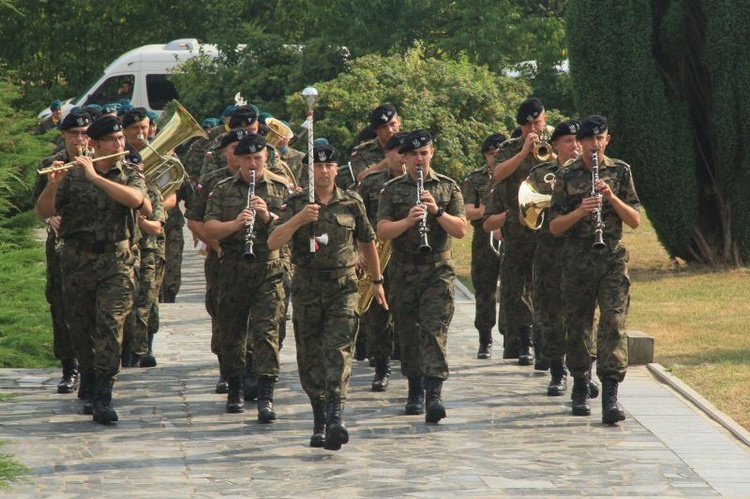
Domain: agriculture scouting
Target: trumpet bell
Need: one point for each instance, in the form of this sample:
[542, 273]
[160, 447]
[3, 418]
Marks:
[277, 131]
[531, 205]
[542, 152]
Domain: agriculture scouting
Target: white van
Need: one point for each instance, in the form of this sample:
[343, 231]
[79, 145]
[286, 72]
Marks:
[141, 76]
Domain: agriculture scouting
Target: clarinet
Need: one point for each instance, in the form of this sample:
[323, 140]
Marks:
[250, 225]
[598, 223]
[424, 244]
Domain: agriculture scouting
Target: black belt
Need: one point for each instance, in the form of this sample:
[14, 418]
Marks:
[326, 273]
[98, 247]
[259, 256]
[423, 259]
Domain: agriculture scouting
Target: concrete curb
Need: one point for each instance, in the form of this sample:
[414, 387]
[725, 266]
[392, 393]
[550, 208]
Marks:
[462, 293]
[661, 374]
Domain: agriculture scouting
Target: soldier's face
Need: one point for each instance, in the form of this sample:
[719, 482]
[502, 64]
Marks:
[418, 157]
[252, 162]
[567, 147]
[489, 157]
[324, 174]
[395, 159]
[132, 131]
[536, 125]
[386, 130]
[594, 144]
[228, 152]
[76, 138]
[109, 144]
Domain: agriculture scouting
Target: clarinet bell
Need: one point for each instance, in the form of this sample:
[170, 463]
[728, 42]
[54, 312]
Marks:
[249, 254]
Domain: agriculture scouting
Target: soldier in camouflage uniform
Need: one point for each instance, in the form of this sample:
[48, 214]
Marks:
[137, 345]
[370, 156]
[324, 290]
[376, 325]
[485, 263]
[423, 301]
[195, 214]
[73, 130]
[97, 204]
[547, 297]
[51, 121]
[513, 162]
[242, 117]
[175, 244]
[592, 276]
[193, 158]
[249, 284]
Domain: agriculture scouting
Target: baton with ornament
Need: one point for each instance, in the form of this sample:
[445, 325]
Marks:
[309, 95]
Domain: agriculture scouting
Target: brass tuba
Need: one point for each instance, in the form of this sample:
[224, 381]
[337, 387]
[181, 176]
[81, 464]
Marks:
[532, 203]
[364, 284]
[161, 168]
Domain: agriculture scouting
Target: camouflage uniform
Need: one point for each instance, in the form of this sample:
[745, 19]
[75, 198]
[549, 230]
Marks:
[248, 288]
[193, 158]
[520, 243]
[376, 324]
[422, 304]
[324, 292]
[293, 158]
[363, 156]
[97, 265]
[591, 276]
[175, 244]
[196, 210]
[151, 249]
[62, 345]
[485, 264]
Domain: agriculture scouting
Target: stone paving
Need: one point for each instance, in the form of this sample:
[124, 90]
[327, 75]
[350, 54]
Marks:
[503, 436]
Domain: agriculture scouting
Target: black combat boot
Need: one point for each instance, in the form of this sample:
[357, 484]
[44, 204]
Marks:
[103, 411]
[69, 381]
[580, 395]
[360, 348]
[318, 438]
[249, 381]
[415, 402]
[526, 352]
[485, 345]
[593, 387]
[86, 392]
[148, 360]
[558, 383]
[130, 358]
[266, 414]
[336, 433]
[435, 410]
[235, 402]
[382, 375]
[611, 410]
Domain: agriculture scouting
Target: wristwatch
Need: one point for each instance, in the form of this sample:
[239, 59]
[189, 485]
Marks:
[379, 280]
[439, 212]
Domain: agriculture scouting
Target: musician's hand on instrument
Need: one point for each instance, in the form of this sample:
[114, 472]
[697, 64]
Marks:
[529, 142]
[243, 219]
[379, 295]
[590, 204]
[604, 189]
[261, 209]
[88, 167]
[54, 222]
[497, 235]
[429, 202]
[54, 179]
[416, 214]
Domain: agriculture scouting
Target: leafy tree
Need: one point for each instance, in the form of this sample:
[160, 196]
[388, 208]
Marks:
[459, 102]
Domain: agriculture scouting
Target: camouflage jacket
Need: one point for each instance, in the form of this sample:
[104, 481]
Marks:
[400, 194]
[477, 188]
[363, 156]
[369, 189]
[507, 150]
[193, 158]
[147, 241]
[574, 184]
[196, 209]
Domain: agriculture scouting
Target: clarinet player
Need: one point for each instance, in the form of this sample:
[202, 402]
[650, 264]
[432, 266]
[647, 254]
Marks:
[595, 274]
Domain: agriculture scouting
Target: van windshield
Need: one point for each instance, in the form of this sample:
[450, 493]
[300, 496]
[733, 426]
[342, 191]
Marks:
[113, 89]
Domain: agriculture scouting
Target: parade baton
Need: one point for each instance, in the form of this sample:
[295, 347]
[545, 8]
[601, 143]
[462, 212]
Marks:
[309, 94]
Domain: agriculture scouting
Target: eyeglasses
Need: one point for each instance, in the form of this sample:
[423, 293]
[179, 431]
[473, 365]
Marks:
[112, 140]
[76, 134]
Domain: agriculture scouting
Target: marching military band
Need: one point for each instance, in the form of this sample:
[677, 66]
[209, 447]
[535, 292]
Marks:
[363, 248]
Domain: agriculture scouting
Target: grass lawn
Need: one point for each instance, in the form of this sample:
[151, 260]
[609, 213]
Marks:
[698, 317]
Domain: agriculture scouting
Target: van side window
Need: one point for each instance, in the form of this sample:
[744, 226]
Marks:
[159, 91]
[112, 90]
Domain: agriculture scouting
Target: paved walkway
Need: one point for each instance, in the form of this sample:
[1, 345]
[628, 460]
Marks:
[502, 438]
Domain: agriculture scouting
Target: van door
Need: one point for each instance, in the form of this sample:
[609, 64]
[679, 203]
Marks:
[113, 89]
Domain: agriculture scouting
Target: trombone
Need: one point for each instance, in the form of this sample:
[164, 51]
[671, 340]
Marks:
[73, 164]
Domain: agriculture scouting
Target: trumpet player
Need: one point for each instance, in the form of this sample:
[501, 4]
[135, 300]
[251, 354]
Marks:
[73, 130]
[423, 301]
[369, 156]
[591, 274]
[376, 325]
[249, 285]
[546, 270]
[324, 289]
[97, 257]
[485, 263]
[513, 162]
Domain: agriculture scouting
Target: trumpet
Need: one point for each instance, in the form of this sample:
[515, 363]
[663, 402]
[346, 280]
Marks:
[542, 149]
[73, 164]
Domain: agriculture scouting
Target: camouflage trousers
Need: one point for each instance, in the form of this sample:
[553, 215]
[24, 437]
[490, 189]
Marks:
[153, 316]
[145, 313]
[211, 271]
[547, 296]
[377, 326]
[422, 306]
[98, 292]
[485, 273]
[62, 343]
[173, 254]
[324, 319]
[592, 276]
[287, 288]
[516, 284]
[250, 301]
